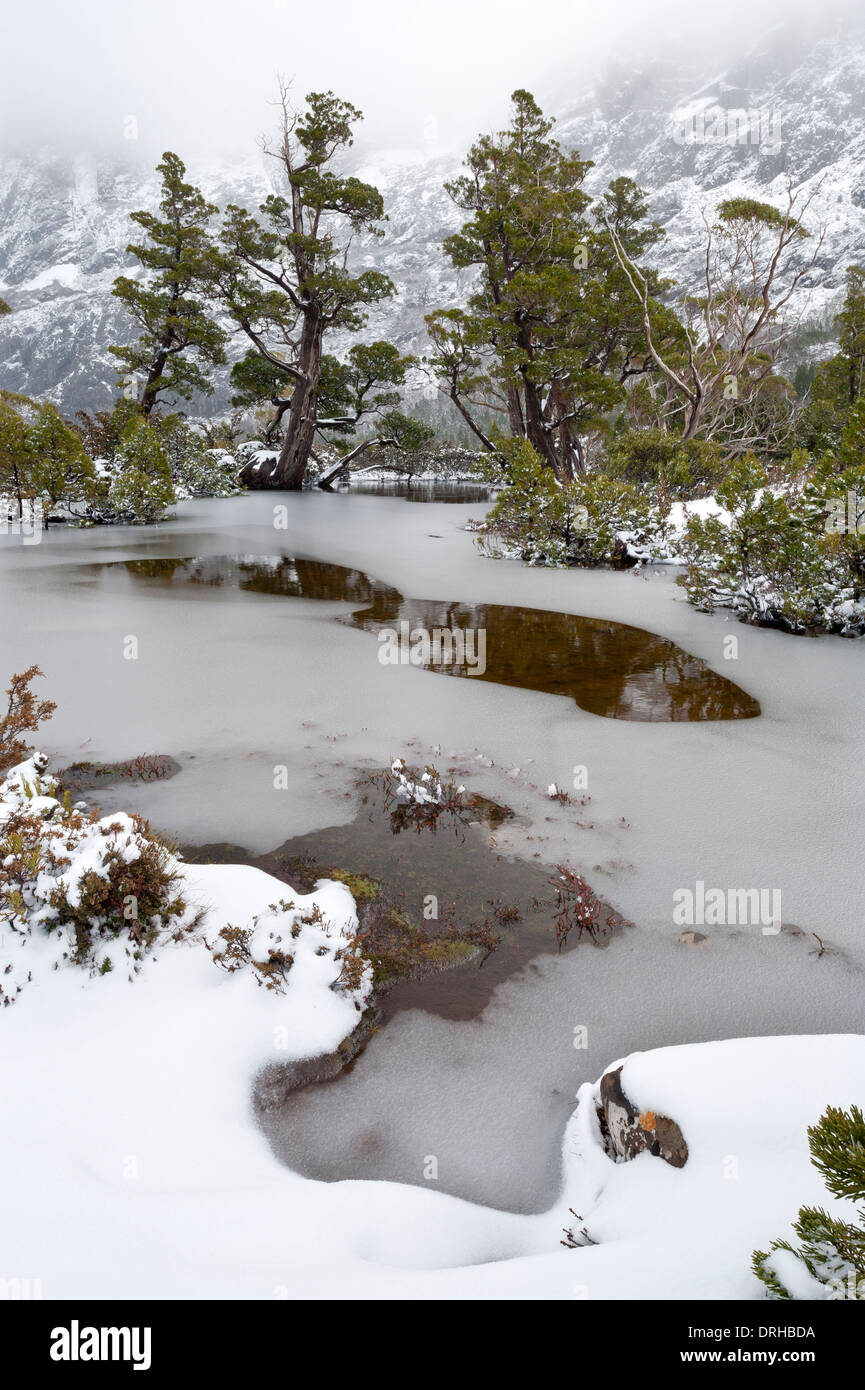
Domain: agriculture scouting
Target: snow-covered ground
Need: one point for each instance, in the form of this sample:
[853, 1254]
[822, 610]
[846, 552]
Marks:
[132, 1166]
[235, 684]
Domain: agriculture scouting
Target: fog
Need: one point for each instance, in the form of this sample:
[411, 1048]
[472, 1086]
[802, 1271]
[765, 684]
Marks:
[197, 76]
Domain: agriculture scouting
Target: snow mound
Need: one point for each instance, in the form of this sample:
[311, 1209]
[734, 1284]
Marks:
[743, 1106]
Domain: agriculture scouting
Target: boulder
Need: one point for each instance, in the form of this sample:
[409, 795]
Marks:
[630, 1131]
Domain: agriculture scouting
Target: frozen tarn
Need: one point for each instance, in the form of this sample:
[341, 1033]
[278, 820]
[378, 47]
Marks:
[236, 684]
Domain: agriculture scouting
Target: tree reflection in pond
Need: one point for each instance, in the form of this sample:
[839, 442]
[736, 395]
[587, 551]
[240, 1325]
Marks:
[609, 669]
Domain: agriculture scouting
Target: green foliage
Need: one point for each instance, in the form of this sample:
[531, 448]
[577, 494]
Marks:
[837, 502]
[851, 450]
[141, 491]
[4, 308]
[257, 380]
[823, 416]
[655, 459]
[552, 330]
[42, 457]
[196, 469]
[62, 473]
[839, 382]
[851, 331]
[750, 213]
[803, 379]
[830, 1250]
[773, 562]
[179, 336]
[405, 432]
[576, 523]
[16, 451]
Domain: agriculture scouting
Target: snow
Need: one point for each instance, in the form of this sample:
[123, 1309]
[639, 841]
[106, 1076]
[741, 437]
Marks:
[132, 1166]
[743, 1107]
[161, 1071]
[321, 704]
[66, 275]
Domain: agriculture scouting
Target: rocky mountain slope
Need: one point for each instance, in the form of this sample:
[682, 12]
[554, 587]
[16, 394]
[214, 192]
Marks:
[781, 113]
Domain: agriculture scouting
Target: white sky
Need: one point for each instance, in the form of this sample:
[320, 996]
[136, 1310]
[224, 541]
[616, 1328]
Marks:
[197, 74]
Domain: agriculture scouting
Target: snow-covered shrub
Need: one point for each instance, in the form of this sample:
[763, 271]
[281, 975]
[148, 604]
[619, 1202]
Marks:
[137, 498]
[142, 467]
[134, 481]
[829, 1261]
[595, 520]
[268, 946]
[423, 789]
[87, 877]
[769, 555]
[142, 490]
[197, 470]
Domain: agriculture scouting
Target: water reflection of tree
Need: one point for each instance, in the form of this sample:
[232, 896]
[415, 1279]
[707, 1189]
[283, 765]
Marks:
[610, 669]
[156, 569]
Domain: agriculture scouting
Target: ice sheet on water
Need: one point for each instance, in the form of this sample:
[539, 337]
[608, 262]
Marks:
[235, 684]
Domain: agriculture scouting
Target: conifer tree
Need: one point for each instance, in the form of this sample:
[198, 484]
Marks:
[838, 382]
[284, 279]
[831, 1251]
[851, 332]
[550, 333]
[179, 337]
[63, 473]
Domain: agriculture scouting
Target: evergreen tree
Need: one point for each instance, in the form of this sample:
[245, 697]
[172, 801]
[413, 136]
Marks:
[284, 279]
[16, 450]
[179, 337]
[551, 332]
[4, 308]
[141, 490]
[62, 472]
[851, 332]
[831, 1251]
[41, 457]
[838, 382]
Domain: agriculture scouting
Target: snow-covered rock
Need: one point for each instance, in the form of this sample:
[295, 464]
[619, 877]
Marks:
[743, 1106]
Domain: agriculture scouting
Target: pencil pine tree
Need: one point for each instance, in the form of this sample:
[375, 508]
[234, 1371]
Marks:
[179, 336]
[830, 1250]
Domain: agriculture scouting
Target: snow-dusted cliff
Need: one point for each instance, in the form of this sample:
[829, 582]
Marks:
[689, 138]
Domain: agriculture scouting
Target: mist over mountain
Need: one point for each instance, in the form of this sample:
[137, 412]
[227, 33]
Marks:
[784, 112]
